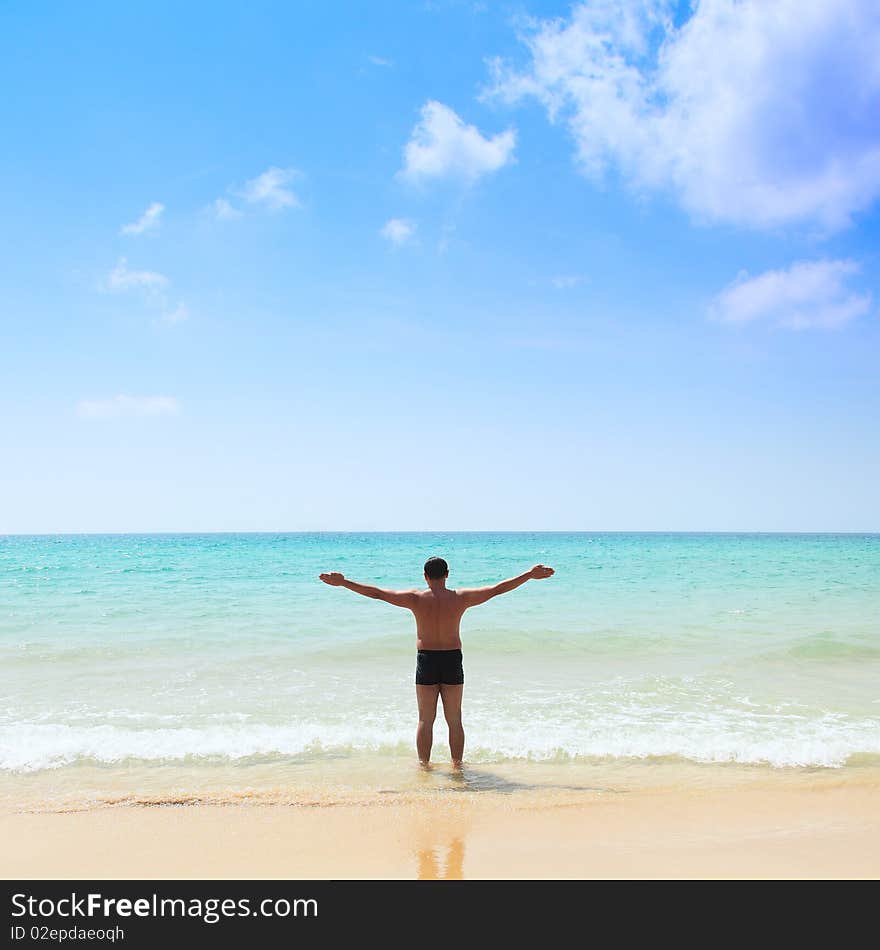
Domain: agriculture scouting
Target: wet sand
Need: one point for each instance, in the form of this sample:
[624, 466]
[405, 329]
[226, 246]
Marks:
[810, 827]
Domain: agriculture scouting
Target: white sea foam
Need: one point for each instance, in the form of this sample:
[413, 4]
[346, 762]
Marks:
[29, 747]
[778, 741]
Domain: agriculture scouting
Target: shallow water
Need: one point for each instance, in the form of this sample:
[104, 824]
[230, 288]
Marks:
[169, 656]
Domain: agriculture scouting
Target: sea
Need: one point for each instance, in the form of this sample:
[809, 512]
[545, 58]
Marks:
[219, 664]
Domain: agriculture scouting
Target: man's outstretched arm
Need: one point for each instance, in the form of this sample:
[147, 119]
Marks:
[400, 598]
[479, 595]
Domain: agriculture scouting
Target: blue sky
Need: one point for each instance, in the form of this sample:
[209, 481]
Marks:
[440, 266]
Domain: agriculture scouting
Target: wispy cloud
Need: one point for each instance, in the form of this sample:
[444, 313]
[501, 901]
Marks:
[446, 233]
[270, 190]
[224, 211]
[380, 61]
[175, 314]
[398, 230]
[442, 145]
[753, 112]
[122, 279]
[566, 281]
[118, 407]
[151, 285]
[148, 221]
[808, 294]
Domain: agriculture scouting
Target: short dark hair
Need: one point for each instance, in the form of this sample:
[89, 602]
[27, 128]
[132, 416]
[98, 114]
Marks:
[435, 568]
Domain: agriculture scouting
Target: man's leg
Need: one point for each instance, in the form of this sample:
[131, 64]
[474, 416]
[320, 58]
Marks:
[452, 711]
[427, 699]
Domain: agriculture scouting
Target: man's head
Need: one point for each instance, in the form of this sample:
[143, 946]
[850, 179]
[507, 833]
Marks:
[436, 568]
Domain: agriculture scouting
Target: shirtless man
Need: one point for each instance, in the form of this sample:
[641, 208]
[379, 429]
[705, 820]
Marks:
[439, 671]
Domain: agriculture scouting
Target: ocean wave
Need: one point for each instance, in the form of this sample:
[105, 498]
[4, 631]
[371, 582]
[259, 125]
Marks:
[779, 741]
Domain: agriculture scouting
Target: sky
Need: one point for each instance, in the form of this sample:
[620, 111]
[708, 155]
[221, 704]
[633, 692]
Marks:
[440, 266]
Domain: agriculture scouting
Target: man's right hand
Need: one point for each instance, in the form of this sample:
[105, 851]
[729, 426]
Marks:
[538, 572]
[334, 578]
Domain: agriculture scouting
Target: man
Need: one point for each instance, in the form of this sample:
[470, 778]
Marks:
[439, 670]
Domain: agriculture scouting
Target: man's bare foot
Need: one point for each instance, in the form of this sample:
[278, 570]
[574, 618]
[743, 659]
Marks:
[424, 765]
[457, 765]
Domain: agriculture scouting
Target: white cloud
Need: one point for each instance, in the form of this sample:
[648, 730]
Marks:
[443, 145]
[117, 407]
[271, 189]
[809, 294]
[398, 230]
[380, 61]
[224, 211]
[149, 284]
[565, 281]
[122, 279]
[177, 314]
[757, 112]
[148, 221]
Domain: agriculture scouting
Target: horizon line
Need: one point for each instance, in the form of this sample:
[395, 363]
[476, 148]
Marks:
[738, 531]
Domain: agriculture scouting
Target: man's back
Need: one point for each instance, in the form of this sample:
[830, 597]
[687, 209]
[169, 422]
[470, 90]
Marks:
[438, 613]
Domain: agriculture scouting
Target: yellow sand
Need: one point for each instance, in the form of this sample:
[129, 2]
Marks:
[798, 830]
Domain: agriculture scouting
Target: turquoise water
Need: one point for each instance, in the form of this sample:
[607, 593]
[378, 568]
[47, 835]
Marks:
[195, 649]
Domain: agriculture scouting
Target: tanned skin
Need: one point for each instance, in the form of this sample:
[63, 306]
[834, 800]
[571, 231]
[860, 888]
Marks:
[438, 612]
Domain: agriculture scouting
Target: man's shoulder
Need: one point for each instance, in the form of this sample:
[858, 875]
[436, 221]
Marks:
[426, 594]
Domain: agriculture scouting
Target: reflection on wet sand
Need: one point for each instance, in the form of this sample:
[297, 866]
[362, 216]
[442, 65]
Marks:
[429, 867]
[439, 841]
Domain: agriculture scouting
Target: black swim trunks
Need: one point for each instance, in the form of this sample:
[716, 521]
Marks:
[434, 667]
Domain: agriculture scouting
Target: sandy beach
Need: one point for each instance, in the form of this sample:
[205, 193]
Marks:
[808, 828]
